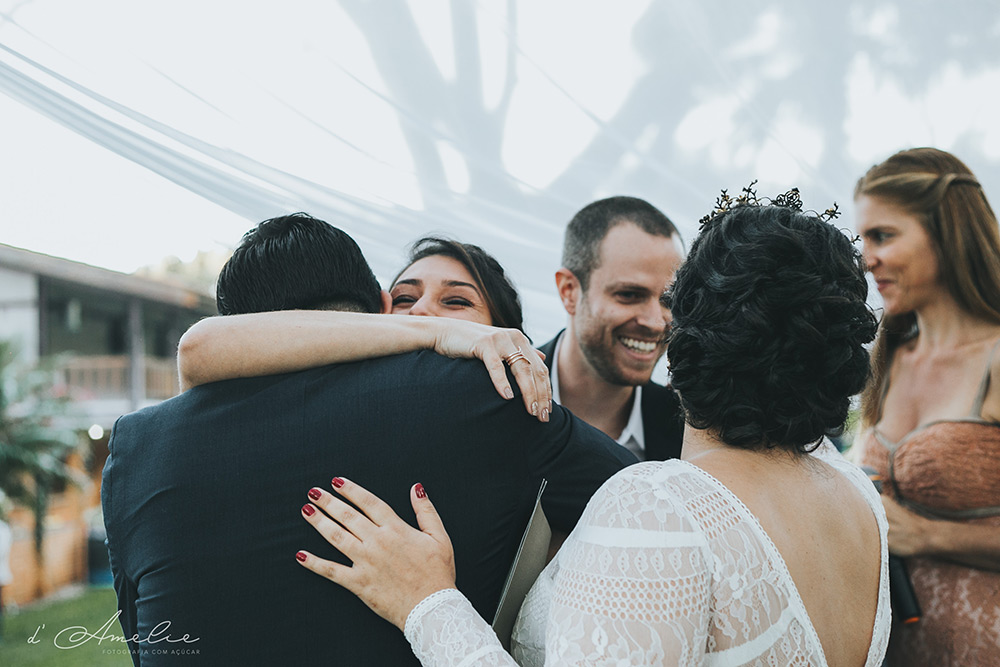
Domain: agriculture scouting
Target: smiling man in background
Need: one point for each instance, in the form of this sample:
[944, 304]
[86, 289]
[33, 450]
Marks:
[619, 255]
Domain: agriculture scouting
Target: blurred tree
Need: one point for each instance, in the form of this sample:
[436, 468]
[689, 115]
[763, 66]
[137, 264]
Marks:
[35, 438]
[766, 64]
[201, 273]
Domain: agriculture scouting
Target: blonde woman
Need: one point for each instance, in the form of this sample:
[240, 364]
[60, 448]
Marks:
[932, 412]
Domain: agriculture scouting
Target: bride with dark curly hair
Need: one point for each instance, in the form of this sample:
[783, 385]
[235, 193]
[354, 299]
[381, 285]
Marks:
[761, 546]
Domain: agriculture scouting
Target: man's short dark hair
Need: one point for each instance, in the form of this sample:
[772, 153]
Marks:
[587, 229]
[296, 262]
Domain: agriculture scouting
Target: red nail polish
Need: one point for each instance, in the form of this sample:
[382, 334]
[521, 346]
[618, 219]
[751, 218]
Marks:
[308, 509]
[301, 557]
[314, 493]
[337, 482]
[420, 491]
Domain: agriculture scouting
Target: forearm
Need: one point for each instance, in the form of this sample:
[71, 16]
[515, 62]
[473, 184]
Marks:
[235, 346]
[972, 545]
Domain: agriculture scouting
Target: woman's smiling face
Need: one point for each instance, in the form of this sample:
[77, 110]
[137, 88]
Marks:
[899, 254]
[439, 286]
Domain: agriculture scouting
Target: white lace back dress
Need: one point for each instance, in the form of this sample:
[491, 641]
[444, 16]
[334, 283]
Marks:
[666, 567]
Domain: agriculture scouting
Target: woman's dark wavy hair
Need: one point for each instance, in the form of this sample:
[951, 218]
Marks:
[499, 293]
[769, 328]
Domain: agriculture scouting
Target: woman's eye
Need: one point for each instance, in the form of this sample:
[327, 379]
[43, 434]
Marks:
[403, 300]
[459, 301]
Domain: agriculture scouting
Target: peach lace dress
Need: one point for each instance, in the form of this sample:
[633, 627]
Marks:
[946, 469]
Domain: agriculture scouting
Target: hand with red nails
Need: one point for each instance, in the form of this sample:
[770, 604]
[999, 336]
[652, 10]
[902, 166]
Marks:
[394, 566]
[497, 348]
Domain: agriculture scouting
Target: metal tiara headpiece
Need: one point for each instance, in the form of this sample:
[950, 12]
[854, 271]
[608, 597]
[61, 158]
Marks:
[725, 203]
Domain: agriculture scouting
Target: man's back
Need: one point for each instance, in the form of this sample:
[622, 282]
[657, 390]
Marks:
[202, 499]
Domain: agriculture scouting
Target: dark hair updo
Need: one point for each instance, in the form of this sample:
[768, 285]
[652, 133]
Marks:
[769, 328]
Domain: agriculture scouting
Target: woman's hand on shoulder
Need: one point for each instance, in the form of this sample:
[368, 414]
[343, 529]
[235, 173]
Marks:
[394, 565]
[496, 348]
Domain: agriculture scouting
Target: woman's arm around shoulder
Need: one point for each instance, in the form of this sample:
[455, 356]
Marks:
[255, 344]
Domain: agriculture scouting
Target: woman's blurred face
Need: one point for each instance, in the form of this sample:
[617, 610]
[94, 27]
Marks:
[439, 286]
[900, 255]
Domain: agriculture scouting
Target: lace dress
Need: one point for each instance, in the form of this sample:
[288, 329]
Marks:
[947, 469]
[666, 567]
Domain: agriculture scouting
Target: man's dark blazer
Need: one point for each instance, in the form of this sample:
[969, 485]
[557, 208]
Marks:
[202, 497]
[662, 418]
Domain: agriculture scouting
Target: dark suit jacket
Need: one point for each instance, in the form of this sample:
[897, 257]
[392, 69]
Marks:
[662, 418]
[202, 498]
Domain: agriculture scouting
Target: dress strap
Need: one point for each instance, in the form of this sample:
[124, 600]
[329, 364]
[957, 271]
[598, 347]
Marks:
[984, 384]
[953, 515]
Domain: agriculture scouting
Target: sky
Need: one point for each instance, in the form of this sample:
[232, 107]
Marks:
[133, 131]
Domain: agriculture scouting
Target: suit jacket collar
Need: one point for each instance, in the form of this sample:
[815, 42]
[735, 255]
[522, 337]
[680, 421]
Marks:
[662, 421]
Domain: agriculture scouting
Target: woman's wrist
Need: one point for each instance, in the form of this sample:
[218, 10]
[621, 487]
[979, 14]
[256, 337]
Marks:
[430, 329]
[930, 542]
[424, 607]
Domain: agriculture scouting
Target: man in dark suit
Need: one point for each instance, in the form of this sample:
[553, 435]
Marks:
[202, 493]
[619, 255]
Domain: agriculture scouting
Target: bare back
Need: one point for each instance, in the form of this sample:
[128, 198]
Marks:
[827, 535]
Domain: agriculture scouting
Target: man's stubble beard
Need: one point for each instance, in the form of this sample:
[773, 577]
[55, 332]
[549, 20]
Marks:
[600, 354]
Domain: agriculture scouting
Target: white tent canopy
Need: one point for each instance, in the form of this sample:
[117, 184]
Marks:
[133, 131]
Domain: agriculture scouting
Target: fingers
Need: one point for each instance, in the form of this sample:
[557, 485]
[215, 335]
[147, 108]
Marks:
[427, 517]
[498, 348]
[532, 376]
[498, 374]
[394, 569]
[335, 572]
[338, 521]
[371, 505]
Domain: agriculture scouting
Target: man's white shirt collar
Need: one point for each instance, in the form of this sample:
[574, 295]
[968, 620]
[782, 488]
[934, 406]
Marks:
[633, 437]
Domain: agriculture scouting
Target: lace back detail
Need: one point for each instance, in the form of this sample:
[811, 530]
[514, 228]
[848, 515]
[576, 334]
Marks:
[664, 568]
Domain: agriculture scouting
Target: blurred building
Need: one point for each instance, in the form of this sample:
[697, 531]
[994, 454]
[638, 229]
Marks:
[112, 340]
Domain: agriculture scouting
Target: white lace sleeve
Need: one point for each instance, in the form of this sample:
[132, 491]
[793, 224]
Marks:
[444, 630]
[633, 587]
[634, 584]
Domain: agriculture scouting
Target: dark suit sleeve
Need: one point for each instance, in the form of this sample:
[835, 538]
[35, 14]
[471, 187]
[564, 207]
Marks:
[573, 456]
[576, 459]
[125, 588]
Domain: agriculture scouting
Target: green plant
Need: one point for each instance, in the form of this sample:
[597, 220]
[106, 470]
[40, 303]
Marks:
[35, 437]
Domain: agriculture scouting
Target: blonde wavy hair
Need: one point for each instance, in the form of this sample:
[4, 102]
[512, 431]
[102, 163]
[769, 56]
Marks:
[943, 194]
